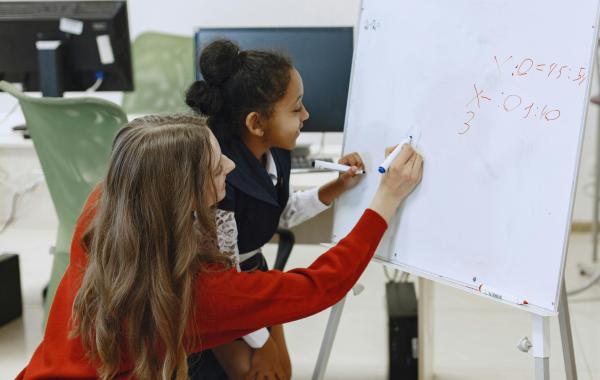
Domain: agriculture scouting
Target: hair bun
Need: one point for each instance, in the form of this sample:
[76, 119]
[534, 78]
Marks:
[218, 61]
[204, 98]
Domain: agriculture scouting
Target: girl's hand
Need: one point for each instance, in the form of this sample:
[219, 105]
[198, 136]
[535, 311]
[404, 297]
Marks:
[330, 191]
[350, 178]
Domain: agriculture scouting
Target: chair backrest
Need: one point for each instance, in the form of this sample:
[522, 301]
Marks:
[73, 139]
[163, 68]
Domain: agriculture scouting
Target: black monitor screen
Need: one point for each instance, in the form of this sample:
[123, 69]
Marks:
[323, 56]
[77, 25]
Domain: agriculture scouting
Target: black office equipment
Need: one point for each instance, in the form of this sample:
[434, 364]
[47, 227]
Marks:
[403, 328]
[11, 306]
[56, 46]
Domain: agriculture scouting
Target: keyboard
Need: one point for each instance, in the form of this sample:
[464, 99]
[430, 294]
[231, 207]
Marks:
[303, 164]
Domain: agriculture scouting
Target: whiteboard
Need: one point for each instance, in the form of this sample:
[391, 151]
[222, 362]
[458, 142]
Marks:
[495, 95]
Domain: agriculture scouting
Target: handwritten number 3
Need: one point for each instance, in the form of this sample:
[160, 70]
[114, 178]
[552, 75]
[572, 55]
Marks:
[467, 125]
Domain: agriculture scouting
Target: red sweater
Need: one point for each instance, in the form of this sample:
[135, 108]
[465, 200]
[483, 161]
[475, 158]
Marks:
[230, 304]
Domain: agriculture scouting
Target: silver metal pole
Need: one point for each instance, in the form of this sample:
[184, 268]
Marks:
[328, 338]
[566, 336]
[541, 346]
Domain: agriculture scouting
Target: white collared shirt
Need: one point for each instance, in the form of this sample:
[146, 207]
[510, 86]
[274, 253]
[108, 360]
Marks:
[301, 205]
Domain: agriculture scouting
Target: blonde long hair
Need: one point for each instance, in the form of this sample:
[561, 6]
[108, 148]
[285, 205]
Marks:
[152, 231]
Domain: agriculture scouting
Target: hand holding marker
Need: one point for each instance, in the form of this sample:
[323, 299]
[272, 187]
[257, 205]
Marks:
[317, 164]
[331, 166]
[389, 159]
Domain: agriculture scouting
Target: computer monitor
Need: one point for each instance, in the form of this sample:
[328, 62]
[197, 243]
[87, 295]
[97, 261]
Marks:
[323, 56]
[93, 42]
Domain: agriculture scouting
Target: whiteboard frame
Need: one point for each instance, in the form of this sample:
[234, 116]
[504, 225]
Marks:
[541, 311]
[585, 111]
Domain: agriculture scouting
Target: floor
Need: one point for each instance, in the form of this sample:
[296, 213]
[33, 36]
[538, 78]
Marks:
[473, 338]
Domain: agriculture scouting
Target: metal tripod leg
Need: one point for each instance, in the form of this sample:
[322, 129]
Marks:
[564, 322]
[327, 344]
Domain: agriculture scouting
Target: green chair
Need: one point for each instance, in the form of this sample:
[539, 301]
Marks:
[163, 69]
[73, 140]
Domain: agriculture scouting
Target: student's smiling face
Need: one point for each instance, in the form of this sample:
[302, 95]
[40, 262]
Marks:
[288, 115]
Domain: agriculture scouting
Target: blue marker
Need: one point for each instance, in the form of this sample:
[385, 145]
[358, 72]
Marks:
[387, 162]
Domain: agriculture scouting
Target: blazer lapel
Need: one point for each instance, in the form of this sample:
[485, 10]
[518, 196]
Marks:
[249, 176]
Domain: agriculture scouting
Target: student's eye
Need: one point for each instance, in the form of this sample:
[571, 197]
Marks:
[299, 109]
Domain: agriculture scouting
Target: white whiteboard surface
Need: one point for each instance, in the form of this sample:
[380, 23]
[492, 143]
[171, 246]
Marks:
[495, 93]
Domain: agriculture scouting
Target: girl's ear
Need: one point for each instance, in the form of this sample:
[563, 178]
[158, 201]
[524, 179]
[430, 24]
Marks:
[253, 124]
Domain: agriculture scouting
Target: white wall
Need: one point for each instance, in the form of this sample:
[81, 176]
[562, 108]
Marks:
[183, 16]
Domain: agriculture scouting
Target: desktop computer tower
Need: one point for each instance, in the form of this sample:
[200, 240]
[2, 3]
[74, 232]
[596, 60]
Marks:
[402, 334]
[11, 306]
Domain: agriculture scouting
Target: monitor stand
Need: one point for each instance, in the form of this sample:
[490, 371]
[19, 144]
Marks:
[50, 66]
[321, 147]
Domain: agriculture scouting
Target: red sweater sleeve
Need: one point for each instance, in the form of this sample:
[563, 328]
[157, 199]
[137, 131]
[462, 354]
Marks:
[231, 304]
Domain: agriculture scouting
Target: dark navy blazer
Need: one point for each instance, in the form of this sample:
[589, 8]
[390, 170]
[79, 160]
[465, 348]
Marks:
[257, 204]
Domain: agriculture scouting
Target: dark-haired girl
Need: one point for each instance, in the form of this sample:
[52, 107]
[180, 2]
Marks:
[253, 100]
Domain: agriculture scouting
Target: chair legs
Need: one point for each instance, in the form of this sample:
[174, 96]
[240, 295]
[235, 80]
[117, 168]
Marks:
[286, 243]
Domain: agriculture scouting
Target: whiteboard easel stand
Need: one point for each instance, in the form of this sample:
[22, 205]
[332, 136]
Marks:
[541, 346]
[332, 325]
[541, 341]
[566, 336]
[540, 337]
[425, 328]
[328, 338]
[540, 322]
